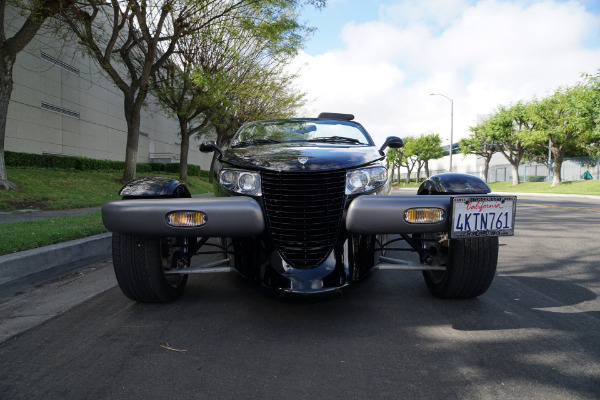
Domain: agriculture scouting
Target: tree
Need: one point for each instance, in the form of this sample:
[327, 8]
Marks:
[263, 94]
[181, 95]
[208, 67]
[408, 159]
[132, 40]
[427, 147]
[393, 159]
[36, 13]
[565, 121]
[511, 126]
[480, 142]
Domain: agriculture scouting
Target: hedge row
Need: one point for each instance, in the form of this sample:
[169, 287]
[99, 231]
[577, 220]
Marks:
[193, 170]
[13, 159]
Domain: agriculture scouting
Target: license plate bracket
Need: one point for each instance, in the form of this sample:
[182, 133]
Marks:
[482, 216]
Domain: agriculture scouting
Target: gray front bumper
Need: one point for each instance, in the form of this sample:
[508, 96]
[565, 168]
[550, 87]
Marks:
[243, 216]
[371, 215]
[225, 217]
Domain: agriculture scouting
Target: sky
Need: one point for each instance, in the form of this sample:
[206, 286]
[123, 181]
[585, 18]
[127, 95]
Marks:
[380, 60]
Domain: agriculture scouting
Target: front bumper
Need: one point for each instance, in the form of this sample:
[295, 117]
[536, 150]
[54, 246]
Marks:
[225, 217]
[243, 216]
[373, 215]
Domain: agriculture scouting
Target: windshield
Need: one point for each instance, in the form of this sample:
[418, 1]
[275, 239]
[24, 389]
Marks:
[314, 131]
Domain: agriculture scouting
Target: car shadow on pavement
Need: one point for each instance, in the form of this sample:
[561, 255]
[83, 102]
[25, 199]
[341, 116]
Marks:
[532, 302]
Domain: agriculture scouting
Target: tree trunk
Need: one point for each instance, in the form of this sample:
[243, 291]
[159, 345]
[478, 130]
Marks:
[486, 169]
[398, 179]
[426, 163]
[408, 174]
[515, 174]
[556, 173]
[132, 116]
[184, 150]
[7, 62]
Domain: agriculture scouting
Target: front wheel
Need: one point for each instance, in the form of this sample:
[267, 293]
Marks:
[470, 269]
[140, 265]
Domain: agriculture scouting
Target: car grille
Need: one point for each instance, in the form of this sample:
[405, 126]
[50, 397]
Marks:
[304, 212]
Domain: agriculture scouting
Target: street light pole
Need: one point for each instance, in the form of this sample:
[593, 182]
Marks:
[451, 123]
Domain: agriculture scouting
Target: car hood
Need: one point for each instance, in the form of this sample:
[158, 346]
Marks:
[301, 158]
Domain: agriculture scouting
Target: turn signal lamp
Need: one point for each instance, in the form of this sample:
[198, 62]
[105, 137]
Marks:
[186, 219]
[424, 215]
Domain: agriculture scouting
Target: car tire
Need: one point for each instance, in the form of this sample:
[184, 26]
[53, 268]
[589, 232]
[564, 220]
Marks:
[139, 264]
[469, 271]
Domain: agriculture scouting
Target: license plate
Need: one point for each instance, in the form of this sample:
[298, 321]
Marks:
[483, 216]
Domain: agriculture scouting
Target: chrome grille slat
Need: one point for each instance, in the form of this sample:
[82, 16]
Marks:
[304, 213]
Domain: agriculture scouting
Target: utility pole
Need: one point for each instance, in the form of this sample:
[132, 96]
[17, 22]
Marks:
[451, 124]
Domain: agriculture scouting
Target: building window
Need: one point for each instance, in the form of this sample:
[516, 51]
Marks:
[59, 110]
[59, 63]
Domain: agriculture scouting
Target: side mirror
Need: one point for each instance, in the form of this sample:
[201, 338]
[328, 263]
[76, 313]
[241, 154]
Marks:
[209, 147]
[392, 142]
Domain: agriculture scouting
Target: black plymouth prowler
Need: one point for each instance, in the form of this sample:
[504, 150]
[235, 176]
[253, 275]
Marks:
[303, 206]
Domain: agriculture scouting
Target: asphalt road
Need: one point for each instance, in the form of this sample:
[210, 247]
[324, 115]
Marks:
[534, 335]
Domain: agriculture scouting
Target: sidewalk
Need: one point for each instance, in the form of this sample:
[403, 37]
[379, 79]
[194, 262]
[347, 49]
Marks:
[29, 267]
[30, 215]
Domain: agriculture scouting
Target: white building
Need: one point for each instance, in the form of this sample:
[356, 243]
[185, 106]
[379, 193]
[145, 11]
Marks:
[62, 104]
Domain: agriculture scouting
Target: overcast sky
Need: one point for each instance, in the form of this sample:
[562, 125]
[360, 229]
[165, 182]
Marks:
[380, 59]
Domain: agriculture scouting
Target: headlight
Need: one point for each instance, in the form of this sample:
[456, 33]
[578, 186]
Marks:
[365, 179]
[242, 182]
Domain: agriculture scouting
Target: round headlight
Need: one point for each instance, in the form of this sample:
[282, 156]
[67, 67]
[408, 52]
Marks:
[248, 182]
[228, 178]
[378, 175]
[365, 179]
[357, 180]
[243, 182]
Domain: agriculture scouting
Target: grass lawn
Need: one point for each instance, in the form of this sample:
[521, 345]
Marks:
[405, 185]
[19, 236]
[570, 187]
[46, 189]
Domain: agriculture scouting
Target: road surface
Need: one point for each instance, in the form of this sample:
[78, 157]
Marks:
[535, 334]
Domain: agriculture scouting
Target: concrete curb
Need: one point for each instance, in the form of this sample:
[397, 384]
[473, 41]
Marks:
[21, 269]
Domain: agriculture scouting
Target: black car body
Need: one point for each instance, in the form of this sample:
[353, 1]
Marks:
[303, 206]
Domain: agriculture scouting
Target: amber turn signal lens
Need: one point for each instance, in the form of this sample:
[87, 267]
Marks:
[186, 219]
[424, 215]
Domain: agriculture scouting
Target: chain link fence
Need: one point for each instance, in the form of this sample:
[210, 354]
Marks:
[573, 169]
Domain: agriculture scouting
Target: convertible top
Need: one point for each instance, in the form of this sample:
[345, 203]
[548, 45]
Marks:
[342, 117]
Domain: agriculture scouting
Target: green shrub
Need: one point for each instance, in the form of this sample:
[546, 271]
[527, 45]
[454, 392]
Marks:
[172, 168]
[156, 166]
[89, 164]
[14, 159]
[193, 170]
[144, 168]
[62, 162]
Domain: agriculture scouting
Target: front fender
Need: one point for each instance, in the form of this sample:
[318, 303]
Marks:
[154, 187]
[453, 183]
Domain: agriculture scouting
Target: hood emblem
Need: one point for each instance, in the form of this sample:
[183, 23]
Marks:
[302, 160]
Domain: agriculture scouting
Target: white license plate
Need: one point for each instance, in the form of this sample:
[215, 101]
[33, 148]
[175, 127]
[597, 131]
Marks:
[483, 216]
